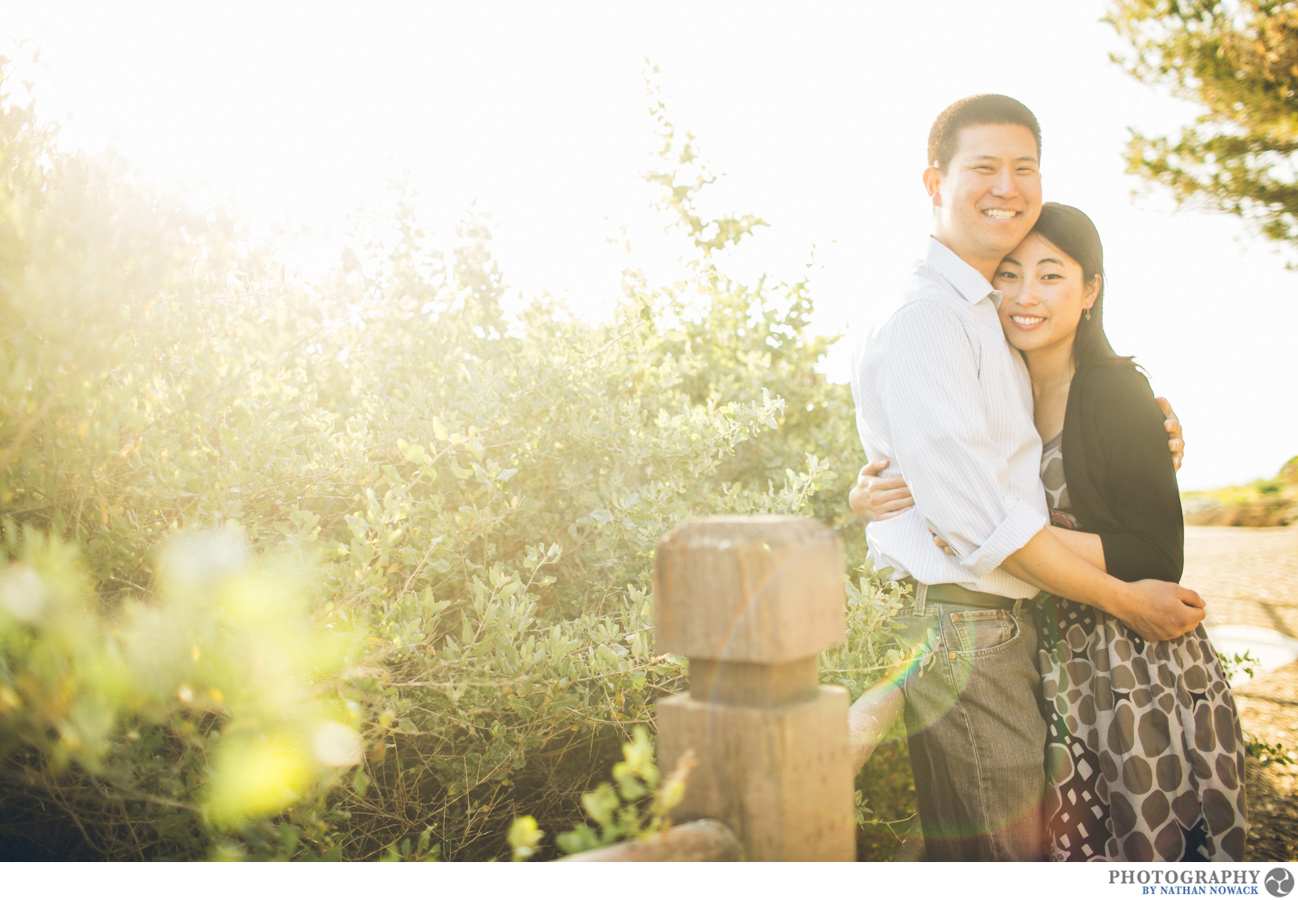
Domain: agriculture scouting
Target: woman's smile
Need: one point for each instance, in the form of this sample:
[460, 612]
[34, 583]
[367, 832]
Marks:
[1026, 321]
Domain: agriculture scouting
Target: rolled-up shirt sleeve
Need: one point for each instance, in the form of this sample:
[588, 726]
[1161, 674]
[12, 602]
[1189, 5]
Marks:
[942, 444]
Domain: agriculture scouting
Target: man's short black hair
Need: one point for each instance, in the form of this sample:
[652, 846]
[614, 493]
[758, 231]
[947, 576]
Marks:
[980, 109]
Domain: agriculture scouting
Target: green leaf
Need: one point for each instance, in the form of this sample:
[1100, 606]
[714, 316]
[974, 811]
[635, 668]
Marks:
[524, 837]
[601, 804]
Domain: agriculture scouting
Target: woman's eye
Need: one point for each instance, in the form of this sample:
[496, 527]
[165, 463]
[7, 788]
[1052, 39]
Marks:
[1004, 275]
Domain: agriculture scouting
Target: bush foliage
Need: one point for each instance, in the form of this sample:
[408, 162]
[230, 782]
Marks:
[357, 568]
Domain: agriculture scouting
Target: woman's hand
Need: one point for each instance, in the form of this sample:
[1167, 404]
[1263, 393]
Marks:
[875, 499]
[1173, 428]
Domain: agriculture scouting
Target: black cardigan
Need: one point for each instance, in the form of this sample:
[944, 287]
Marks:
[1119, 470]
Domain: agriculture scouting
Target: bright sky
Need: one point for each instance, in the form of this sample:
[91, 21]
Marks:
[816, 114]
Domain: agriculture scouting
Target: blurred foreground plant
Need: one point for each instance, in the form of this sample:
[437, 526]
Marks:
[203, 709]
[636, 805]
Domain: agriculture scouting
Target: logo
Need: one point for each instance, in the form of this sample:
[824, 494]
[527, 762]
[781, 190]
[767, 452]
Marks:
[1279, 882]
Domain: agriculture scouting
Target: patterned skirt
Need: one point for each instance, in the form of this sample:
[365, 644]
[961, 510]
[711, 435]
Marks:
[1144, 755]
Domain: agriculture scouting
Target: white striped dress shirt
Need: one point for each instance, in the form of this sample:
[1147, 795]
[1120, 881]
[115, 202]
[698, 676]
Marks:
[942, 396]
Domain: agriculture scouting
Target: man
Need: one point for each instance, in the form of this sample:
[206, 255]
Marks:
[940, 394]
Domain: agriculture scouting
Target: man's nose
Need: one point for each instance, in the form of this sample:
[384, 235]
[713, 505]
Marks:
[1004, 184]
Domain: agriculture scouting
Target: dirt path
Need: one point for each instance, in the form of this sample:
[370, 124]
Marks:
[1249, 576]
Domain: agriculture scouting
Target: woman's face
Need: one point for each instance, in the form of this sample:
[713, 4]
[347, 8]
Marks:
[1044, 295]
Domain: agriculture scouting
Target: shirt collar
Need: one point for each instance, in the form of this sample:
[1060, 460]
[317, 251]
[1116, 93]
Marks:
[967, 280]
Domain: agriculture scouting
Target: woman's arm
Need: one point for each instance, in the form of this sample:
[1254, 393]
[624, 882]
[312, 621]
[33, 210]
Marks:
[875, 499]
[1088, 546]
[1129, 495]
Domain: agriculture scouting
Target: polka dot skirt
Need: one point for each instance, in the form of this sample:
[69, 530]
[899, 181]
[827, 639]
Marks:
[1144, 755]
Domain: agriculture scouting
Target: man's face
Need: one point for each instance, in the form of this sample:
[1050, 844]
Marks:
[989, 197]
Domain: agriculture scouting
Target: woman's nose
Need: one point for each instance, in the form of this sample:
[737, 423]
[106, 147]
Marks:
[1029, 296]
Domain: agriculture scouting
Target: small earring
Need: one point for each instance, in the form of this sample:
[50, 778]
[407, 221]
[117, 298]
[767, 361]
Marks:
[1088, 314]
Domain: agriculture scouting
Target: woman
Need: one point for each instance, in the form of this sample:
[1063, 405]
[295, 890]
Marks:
[1144, 753]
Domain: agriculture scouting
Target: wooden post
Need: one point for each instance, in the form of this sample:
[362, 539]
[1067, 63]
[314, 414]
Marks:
[751, 601]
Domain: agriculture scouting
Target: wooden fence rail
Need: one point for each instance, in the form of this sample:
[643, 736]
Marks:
[751, 601]
[704, 840]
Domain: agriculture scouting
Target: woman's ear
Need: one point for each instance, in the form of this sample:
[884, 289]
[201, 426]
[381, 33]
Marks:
[1092, 292]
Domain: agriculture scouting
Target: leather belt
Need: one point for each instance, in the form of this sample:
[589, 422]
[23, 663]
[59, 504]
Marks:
[960, 596]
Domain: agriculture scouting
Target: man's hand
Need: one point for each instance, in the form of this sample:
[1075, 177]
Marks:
[875, 499]
[1173, 427]
[1159, 611]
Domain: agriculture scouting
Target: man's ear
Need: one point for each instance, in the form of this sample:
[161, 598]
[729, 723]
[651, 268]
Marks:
[933, 184]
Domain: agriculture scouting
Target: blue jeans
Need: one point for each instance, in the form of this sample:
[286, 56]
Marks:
[973, 721]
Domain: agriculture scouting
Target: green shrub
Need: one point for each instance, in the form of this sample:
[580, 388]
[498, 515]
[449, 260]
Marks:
[471, 498]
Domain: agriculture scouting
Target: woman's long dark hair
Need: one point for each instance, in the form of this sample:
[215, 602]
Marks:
[1073, 232]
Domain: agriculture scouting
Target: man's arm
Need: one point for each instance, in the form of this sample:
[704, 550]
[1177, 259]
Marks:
[1156, 610]
[1172, 425]
[929, 392]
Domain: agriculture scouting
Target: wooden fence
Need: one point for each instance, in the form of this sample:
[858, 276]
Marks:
[751, 601]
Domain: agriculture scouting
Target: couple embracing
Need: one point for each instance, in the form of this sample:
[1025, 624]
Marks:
[1067, 703]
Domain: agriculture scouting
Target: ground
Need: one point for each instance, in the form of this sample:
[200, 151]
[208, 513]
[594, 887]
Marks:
[1249, 576]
